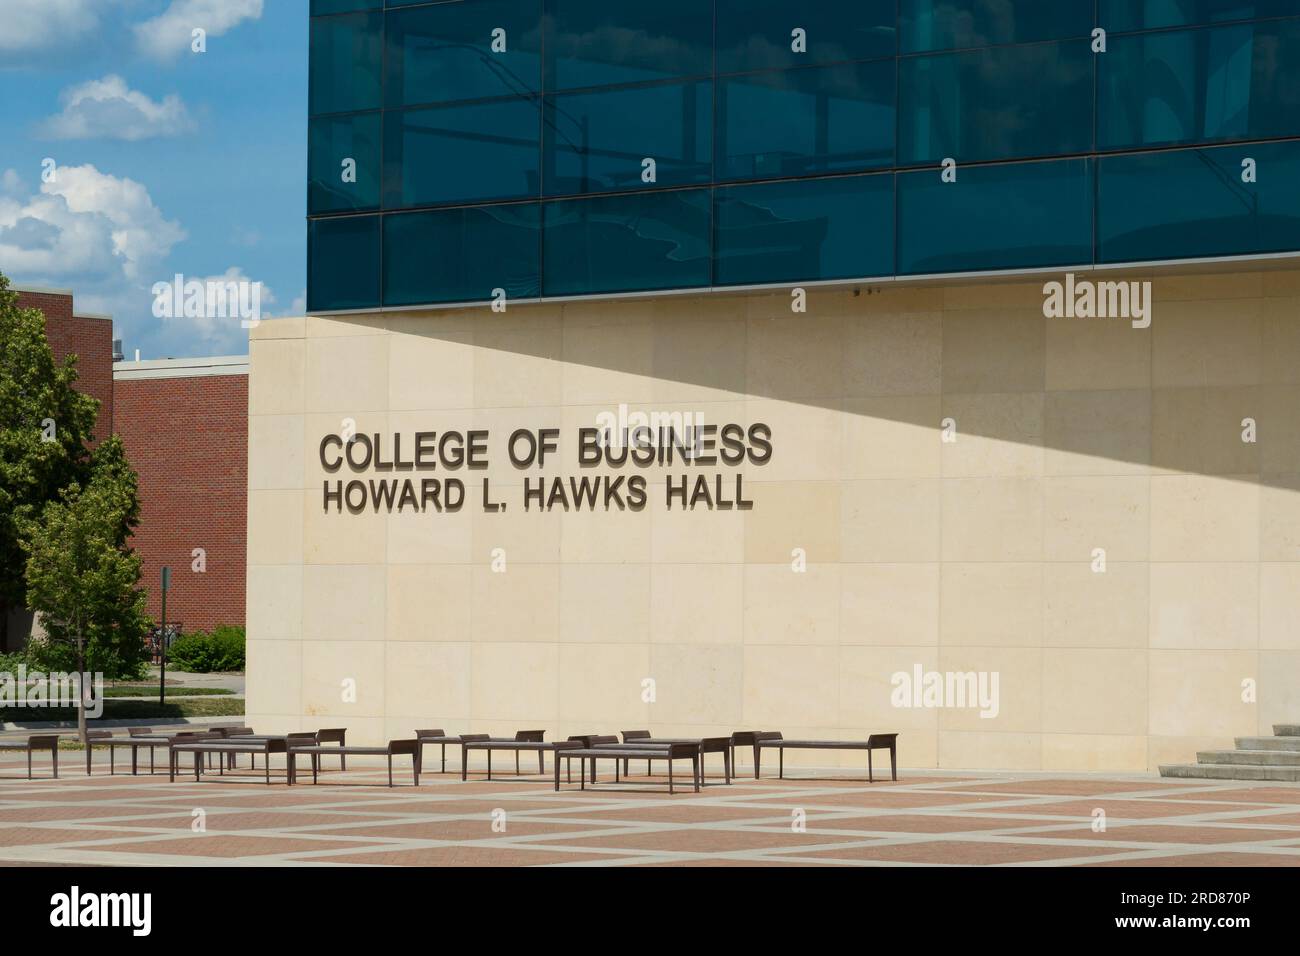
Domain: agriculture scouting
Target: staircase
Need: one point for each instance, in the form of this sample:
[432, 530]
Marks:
[1274, 758]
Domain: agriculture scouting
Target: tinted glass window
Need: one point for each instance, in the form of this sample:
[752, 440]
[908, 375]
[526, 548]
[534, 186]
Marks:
[758, 34]
[346, 63]
[794, 122]
[599, 141]
[815, 229]
[471, 49]
[1144, 211]
[1118, 15]
[965, 24]
[1020, 215]
[343, 263]
[343, 163]
[461, 255]
[599, 43]
[996, 104]
[627, 243]
[468, 153]
[323, 7]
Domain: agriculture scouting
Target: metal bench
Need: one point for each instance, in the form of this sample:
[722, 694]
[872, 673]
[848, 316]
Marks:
[525, 740]
[394, 748]
[439, 737]
[707, 745]
[48, 742]
[772, 738]
[222, 747]
[617, 752]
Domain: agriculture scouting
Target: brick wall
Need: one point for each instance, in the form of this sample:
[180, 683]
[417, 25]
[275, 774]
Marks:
[188, 440]
[90, 339]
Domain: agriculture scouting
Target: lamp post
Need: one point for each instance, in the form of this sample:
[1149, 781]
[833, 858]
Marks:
[162, 680]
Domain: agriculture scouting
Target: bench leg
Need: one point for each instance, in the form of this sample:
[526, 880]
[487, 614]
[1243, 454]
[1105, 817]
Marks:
[390, 771]
[616, 779]
[150, 760]
[29, 763]
[582, 777]
[699, 771]
[670, 774]
[464, 763]
[343, 759]
[444, 758]
[267, 761]
[416, 769]
[568, 763]
[89, 750]
[516, 763]
[490, 763]
[726, 766]
[780, 751]
[893, 761]
[757, 750]
[871, 777]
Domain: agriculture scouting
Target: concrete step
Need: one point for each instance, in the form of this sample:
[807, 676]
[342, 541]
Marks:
[1257, 758]
[1287, 730]
[1213, 771]
[1267, 743]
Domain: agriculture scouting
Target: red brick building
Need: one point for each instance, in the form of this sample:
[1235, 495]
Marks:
[184, 423]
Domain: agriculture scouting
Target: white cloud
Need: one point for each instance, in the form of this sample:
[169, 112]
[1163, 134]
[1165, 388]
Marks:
[214, 334]
[169, 34]
[109, 109]
[34, 25]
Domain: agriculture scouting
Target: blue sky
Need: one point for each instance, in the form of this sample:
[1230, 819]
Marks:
[166, 160]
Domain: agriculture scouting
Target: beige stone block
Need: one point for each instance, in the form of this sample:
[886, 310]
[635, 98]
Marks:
[516, 368]
[1097, 354]
[993, 519]
[1204, 606]
[605, 603]
[994, 295]
[437, 323]
[342, 679]
[786, 685]
[1279, 606]
[292, 327]
[601, 684]
[696, 537]
[697, 603]
[892, 353]
[991, 605]
[1280, 341]
[513, 685]
[1197, 287]
[698, 684]
[608, 364]
[1197, 693]
[991, 689]
[1086, 609]
[790, 516]
[1279, 689]
[432, 537]
[1205, 343]
[964, 750]
[1111, 753]
[277, 372]
[1097, 433]
[427, 680]
[275, 452]
[412, 381]
[1278, 429]
[521, 604]
[892, 437]
[274, 602]
[997, 435]
[344, 602]
[318, 449]
[890, 520]
[783, 606]
[346, 374]
[889, 604]
[518, 538]
[345, 326]
[1094, 691]
[794, 356]
[342, 538]
[427, 603]
[1279, 512]
[1195, 518]
[991, 349]
[1174, 750]
[699, 362]
[806, 441]
[873, 689]
[1283, 282]
[1200, 430]
[606, 536]
[274, 676]
[275, 527]
[507, 429]
[1085, 513]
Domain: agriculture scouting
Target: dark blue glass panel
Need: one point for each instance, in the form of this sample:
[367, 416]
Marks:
[926, 25]
[470, 153]
[1200, 86]
[1120, 15]
[320, 8]
[627, 243]
[1022, 215]
[343, 263]
[757, 34]
[1004, 103]
[444, 53]
[347, 55]
[813, 229]
[1185, 204]
[331, 141]
[796, 122]
[461, 255]
[598, 141]
[601, 43]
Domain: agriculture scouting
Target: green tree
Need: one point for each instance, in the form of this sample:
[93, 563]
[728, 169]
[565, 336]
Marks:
[83, 578]
[45, 425]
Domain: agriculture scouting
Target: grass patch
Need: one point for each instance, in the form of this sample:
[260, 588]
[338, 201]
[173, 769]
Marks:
[151, 690]
[134, 710]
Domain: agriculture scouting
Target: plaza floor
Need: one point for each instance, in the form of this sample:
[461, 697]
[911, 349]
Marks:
[927, 818]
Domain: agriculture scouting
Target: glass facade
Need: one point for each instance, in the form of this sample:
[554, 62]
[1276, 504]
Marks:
[459, 149]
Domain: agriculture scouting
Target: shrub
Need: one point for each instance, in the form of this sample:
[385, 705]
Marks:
[221, 649]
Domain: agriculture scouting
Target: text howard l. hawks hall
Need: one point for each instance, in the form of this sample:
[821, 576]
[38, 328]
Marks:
[1093, 525]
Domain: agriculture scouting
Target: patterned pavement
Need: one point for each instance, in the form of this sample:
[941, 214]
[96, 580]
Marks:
[927, 818]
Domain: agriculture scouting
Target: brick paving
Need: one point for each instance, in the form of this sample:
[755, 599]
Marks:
[927, 818]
